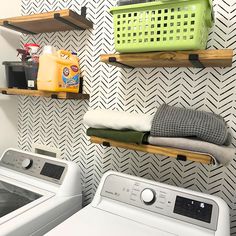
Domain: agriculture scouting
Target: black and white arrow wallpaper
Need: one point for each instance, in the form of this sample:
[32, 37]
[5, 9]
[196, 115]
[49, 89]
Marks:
[58, 123]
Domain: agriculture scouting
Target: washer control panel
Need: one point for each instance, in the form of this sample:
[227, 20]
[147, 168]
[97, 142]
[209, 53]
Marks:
[43, 168]
[162, 200]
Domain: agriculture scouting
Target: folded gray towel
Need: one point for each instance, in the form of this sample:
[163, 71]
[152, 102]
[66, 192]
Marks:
[180, 122]
[221, 154]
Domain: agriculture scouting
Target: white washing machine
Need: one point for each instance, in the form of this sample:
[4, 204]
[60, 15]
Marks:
[130, 206]
[36, 193]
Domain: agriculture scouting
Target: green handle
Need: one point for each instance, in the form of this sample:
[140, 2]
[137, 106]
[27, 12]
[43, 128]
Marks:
[210, 19]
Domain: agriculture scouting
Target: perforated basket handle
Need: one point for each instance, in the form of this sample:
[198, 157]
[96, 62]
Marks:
[210, 18]
[64, 52]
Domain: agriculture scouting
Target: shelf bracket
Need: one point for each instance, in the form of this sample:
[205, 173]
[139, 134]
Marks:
[58, 17]
[83, 11]
[114, 61]
[6, 24]
[81, 85]
[106, 144]
[181, 158]
[194, 59]
[54, 96]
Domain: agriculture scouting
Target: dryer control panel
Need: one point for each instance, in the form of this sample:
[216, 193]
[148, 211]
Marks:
[166, 201]
[40, 167]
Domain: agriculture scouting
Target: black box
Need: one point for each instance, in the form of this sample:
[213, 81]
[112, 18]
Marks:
[21, 75]
[15, 74]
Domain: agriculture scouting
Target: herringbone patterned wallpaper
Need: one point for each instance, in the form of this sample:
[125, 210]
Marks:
[58, 123]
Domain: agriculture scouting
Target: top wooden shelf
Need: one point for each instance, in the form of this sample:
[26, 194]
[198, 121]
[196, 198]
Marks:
[198, 59]
[61, 20]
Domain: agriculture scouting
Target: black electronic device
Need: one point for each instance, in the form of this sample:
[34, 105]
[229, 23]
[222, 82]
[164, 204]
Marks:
[52, 170]
[193, 209]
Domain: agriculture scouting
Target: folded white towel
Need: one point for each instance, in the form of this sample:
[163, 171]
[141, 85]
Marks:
[221, 154]
[119, 120]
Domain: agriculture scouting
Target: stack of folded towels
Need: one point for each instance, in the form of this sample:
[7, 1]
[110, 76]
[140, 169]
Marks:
[119, 126]
[181, 128]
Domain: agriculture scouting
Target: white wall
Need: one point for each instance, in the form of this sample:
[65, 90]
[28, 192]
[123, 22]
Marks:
[9, 41]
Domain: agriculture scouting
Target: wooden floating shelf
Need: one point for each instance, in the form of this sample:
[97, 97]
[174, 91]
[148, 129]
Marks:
[53, 21]
[198, 59]
[37, 93]
[179, 154]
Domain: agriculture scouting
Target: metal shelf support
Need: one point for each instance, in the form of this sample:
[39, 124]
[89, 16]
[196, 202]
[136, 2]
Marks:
[114, 61]
[58, 17]
[16, 28]
[194, 59]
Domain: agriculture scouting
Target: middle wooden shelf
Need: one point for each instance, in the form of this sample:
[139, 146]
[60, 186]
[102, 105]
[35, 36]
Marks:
[37, 93]
[179, 154]
[198, 59]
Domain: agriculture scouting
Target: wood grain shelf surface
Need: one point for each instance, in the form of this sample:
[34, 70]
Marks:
[165, 151]
[37, 93]
[53, 21]
[199, 58]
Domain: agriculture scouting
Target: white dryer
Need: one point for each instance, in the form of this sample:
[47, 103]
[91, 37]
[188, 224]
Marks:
[130, 206]
[36, 193]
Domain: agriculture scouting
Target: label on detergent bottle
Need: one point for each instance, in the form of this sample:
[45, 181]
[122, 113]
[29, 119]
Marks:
[70, 76]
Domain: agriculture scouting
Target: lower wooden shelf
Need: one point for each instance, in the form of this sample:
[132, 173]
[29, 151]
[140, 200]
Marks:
[37, 93]
[179, 154]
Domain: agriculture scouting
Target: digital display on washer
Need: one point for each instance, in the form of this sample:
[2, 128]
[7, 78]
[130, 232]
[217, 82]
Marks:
[52, 171]
[193, 209]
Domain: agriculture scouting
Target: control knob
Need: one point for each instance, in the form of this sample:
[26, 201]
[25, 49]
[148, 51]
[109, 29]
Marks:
[148, 196]
[27, 163]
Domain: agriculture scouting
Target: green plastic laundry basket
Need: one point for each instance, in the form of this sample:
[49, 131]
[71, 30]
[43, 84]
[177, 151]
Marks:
[162, 26]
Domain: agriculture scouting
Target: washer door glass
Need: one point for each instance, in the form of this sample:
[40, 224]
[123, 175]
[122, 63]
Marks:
[13, 197]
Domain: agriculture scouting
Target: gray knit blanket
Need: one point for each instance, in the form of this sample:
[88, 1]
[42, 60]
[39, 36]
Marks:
[180, 122]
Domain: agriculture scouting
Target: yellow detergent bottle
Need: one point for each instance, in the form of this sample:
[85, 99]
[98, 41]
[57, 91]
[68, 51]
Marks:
[59, 72]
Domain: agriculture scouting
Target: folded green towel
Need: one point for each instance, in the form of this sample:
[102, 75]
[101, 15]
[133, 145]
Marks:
[127, 136]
